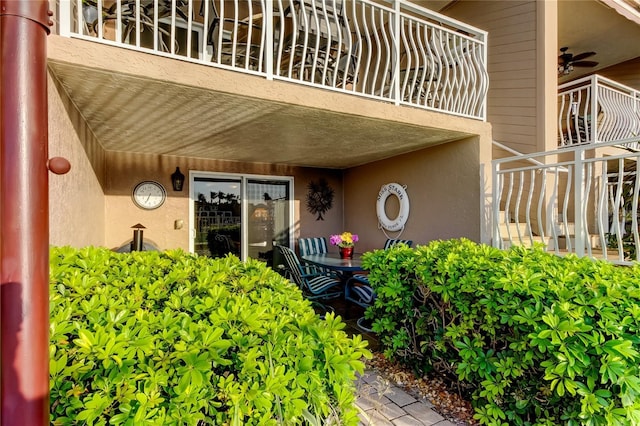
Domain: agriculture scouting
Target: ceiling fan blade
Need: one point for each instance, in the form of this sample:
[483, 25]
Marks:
[584, 55]
[584, 64]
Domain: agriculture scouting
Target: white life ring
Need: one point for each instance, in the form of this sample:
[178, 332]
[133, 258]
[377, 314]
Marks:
[386, 191]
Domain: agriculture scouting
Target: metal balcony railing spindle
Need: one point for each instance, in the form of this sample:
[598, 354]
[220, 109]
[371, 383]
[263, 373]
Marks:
[595, 110]
[400, 52]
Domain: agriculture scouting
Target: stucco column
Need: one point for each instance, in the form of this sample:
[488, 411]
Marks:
[24, 222]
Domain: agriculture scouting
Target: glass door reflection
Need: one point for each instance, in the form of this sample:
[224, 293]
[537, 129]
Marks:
[217, 216]
[269, 217]
[241, 215]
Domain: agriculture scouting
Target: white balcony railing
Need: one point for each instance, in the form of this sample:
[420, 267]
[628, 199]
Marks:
[393, 51]
[575, 200]
[596, 109]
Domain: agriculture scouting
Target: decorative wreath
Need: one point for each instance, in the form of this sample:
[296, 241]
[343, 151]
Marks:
[319, 198]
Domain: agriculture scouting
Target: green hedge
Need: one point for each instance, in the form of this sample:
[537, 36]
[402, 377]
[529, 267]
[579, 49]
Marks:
[534, 339]
[169, 338]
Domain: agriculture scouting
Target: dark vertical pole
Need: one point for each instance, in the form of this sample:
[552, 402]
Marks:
[24, 221]
[137, 244]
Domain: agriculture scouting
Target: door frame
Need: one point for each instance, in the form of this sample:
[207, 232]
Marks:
[244, 209]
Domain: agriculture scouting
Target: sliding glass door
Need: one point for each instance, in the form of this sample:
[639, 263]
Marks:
[269, 218]
[216, 218]
[240, 214]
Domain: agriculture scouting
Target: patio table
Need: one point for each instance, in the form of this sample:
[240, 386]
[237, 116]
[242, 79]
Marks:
[334, 262]
[343, 267]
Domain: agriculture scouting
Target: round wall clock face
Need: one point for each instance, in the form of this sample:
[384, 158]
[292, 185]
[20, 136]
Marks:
[149, 195]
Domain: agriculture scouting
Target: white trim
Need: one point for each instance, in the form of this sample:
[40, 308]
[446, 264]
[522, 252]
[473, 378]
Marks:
[624, 9]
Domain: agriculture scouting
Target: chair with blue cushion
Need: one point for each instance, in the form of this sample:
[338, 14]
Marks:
[313, 245]
[391, 242]
[358, 289]
[314, 285]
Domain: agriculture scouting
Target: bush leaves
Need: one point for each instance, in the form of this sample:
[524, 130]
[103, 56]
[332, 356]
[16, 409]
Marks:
[170, 338]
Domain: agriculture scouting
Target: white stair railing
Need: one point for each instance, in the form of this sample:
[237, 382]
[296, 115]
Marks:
[575, 200]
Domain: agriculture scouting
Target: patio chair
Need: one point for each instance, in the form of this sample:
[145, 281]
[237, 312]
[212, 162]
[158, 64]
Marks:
[313, 245]
[239, 42]
[321, 33]
[358, 290]
[314, 286]
[392, 242]
[133, 15]
[346, 67]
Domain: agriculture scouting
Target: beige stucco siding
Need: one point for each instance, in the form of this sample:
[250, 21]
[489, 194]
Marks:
[443, 186]
[125, 170]
[76, 200]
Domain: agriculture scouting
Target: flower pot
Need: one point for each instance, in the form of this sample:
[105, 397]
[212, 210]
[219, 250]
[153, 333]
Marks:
[346, 252]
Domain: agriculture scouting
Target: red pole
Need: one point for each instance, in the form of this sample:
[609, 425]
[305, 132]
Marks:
[24, 209]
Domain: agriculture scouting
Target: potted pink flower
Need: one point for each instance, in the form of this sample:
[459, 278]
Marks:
[345, 243]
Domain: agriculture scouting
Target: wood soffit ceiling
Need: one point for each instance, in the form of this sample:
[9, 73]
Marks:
[595, 26]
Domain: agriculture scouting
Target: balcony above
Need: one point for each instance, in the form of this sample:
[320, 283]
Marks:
[395, 52]
[137, 99]
[136, 102]
[595, 110]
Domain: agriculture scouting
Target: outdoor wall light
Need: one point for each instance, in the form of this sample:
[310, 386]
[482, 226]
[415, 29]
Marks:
[177, 180]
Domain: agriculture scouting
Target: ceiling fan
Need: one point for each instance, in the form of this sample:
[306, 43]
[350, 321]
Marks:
[566, 61]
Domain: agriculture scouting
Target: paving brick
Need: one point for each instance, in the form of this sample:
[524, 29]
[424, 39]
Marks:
[391, 411]
[427, 402]
[383, 404]
[370, 376]
[364, 419]
[375, 418]
[381, 385]
[367, 402]
[423, 413]
[366, 388]
[407, 421]
[400, 397]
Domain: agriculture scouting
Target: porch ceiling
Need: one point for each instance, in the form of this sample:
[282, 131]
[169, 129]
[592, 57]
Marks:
[586, 26]
[135, 114]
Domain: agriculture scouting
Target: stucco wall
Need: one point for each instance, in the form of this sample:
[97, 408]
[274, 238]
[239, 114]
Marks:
[443, 185]
[125, 170]
[76, 200]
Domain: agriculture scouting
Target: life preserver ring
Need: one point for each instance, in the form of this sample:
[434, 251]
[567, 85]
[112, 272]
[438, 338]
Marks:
[386, 191]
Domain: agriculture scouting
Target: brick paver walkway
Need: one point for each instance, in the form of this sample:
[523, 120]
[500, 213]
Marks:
[383, 404]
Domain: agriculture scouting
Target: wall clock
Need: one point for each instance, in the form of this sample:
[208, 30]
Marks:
[149, 195]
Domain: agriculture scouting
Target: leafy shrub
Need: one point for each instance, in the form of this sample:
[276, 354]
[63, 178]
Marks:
[534, 339]
[170, 338]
